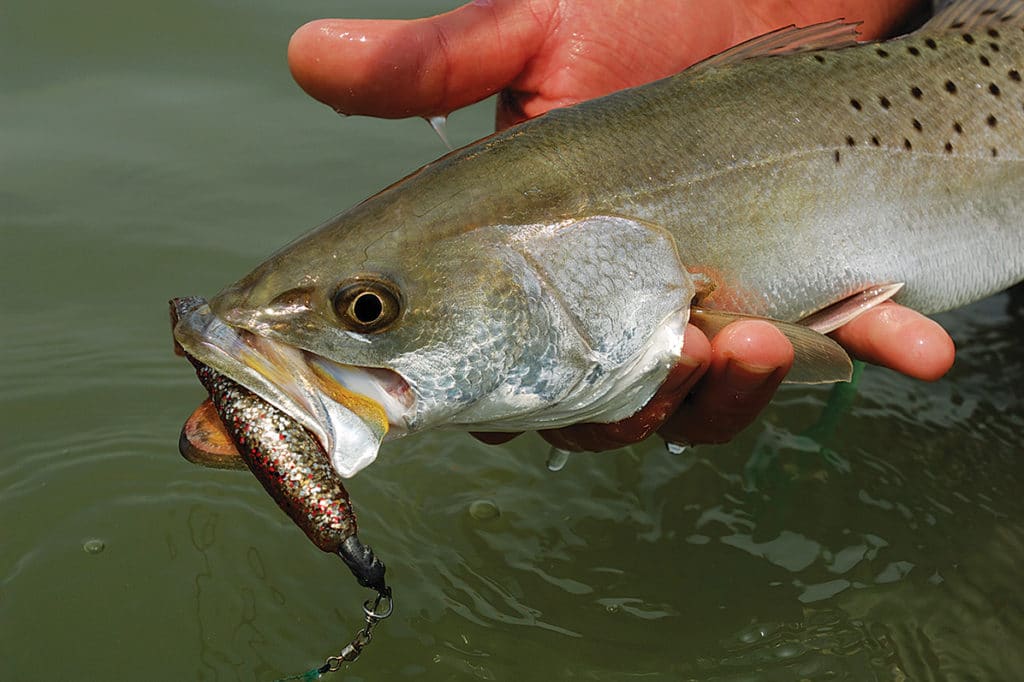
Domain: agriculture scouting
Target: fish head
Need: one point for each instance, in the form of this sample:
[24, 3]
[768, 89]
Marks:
[360, 343]
[449, 317]
[498, 327]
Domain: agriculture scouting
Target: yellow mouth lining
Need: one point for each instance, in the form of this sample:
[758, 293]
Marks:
[370, 411]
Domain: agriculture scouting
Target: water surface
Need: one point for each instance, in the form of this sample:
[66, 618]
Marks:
[157, 150]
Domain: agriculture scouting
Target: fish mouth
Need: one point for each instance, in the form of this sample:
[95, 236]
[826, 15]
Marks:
[349, 409]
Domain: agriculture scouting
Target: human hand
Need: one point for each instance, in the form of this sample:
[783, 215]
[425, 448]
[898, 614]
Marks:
[541, 54]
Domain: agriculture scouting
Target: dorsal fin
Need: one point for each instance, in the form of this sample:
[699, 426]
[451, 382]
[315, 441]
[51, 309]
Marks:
[832, 35]
[973, 14]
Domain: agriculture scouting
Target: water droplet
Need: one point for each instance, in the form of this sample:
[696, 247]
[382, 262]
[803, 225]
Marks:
[94, 546]
[676, 448]
[440, 126]
[484, 510]
[557, 459]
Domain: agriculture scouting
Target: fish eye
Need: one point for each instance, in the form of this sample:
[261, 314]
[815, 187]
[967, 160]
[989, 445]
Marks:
[366, 305]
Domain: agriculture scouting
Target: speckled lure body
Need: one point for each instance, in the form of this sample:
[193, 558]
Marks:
[291, 466]
[285, 459]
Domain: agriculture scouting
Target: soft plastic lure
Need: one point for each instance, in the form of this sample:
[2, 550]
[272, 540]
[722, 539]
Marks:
[291, 465]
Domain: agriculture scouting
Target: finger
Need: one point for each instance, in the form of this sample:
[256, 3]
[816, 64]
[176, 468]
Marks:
[597, 437]
[901, 339]
[749, 361]
[420, 67]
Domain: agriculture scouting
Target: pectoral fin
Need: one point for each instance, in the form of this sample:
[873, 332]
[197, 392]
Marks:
[817, 358]
[836, 315]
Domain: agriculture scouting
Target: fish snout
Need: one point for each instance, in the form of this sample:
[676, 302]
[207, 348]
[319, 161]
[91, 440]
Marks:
[249, 305]
[182, 307]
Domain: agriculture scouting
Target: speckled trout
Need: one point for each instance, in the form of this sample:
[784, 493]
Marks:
[544, 276]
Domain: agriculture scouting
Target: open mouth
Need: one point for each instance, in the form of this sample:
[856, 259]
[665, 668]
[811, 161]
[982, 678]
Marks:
[348, 409]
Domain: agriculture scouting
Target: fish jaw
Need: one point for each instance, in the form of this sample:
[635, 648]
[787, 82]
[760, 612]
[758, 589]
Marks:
[349, 410]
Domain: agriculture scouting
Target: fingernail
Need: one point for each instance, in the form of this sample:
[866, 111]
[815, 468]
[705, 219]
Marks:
[739, 373]
[684, 375]
[688, 361]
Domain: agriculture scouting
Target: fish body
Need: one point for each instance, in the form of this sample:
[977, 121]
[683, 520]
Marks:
[544, 276]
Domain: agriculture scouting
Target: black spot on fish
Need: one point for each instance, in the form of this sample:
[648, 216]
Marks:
[1006, 18]
[984, 60]
[917, 125]
[855, 104]
[931, 44]
[916, 92]
[881, 53]
[992, 33]
[994, 89]
[995, 152]
[991, 121]
[850, 141]
[1014, 75]
[957, 24]
[987, 12]
[884, 101]
[968, 38]
[951, 87]
[994, 47]
[958, 128]
[837, 156]
[949, 147]
[913, 50]
[907, 145]
[819, 58]
[874, 140]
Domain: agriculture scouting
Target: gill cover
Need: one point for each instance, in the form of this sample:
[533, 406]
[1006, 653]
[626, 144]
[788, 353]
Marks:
[617, 296]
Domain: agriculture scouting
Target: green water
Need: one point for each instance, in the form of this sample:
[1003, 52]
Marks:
[151, 150]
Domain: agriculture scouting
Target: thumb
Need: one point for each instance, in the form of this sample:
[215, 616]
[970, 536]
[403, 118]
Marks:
[420, 67]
